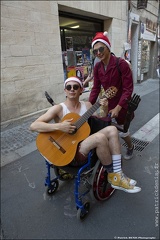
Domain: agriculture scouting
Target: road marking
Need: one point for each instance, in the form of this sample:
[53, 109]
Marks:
[149, 131]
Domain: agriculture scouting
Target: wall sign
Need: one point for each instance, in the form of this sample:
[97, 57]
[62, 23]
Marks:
[145, 34]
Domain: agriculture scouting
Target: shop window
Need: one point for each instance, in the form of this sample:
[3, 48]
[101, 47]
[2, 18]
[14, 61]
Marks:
[145, 56]
[76, 38]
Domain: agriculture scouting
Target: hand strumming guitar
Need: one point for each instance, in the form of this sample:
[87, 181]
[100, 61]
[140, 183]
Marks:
[67, 126]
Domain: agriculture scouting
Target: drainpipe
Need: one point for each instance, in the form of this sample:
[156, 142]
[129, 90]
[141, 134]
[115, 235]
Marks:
[128, 13]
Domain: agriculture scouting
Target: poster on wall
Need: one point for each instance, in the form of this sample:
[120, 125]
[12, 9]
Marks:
[79, 59]
[65, 64]
[86, 71]
[80, 72]
[64, 57]
[69, 43]
[71, 72]
[71, 58]
[86, 56]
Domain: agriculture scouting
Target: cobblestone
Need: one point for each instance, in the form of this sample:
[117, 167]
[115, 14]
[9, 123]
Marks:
[17, 137]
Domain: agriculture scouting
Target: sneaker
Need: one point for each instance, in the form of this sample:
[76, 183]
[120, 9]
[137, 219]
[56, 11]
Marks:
[131, 181]
[129, 154]
[120, 181]
[64, 175]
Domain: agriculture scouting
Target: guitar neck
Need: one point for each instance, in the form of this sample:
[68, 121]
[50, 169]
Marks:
[86, 115]
[111, 92]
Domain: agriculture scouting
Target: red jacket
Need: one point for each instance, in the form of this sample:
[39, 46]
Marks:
[111, 77]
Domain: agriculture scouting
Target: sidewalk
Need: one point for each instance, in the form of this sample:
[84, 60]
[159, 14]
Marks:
[17, 140]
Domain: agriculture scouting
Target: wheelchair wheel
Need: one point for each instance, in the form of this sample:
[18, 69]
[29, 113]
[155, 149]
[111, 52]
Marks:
[102, 189]
[53, 187]
[82, 213]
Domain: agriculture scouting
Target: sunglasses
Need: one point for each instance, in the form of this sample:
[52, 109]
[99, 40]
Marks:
[101, 50]
[75, 87]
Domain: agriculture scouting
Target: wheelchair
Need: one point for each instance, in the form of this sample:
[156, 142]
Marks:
[88, 178]
[91, 177]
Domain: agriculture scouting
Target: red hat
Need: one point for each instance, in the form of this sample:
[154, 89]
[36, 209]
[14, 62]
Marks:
[102, 37]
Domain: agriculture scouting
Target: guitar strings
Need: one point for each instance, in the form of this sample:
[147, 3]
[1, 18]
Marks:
[108, 94]
[86, 115]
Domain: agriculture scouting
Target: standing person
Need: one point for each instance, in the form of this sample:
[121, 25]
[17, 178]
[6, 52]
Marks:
[126, 57]
[105, 141]
[90, 75]
[113, 71]
[89, 80]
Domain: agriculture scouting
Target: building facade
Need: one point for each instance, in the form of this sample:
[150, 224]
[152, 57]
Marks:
[40, 46]
[143, 38]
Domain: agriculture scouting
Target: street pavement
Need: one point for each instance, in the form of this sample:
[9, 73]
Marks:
[27, 212]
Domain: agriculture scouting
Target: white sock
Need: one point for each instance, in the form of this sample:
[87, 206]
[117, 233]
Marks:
[116, 163]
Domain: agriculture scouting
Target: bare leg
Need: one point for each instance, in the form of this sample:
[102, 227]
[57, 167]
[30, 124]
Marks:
[100, 142]
[128, 141]
[106, 142]
[130, 147]
[111, 133]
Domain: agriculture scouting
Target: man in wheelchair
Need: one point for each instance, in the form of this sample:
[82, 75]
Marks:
[105, 141]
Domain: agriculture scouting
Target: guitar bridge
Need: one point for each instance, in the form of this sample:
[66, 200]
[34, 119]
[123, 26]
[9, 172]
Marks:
[57, 145]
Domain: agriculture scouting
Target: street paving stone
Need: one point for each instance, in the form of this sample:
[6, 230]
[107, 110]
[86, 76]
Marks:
[16, 137]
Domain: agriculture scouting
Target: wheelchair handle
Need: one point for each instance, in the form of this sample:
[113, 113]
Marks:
[50, 100]
[132, 106]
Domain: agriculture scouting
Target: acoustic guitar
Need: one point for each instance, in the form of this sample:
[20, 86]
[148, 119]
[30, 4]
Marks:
[59, 148]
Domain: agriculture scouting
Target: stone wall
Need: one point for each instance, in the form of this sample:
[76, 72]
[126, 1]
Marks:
[31, 50]
[151, 12]
[30, 56]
